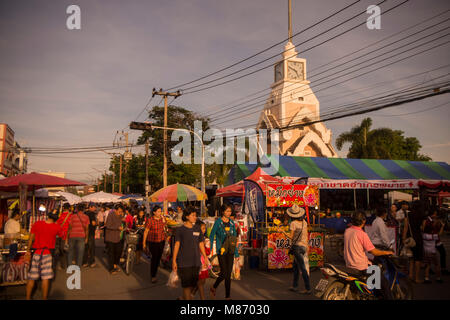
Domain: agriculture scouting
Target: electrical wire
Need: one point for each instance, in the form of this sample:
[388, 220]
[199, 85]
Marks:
[264, 50]
[378, 104]
[270, 65]
[359, 75]
[340, 58]
[410, 113]
[347, 68]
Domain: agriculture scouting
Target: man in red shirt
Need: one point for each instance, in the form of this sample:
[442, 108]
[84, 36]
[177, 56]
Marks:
[42, 239]
[63, 222]
[77, 235]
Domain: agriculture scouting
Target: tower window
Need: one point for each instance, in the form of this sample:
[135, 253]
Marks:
[301, 99]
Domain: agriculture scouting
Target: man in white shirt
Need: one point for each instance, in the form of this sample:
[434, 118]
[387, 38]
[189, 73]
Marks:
[401, 214]
[12, 226]
[380, 238]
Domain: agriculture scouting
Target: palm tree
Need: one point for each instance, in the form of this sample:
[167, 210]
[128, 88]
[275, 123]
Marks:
[365, 142]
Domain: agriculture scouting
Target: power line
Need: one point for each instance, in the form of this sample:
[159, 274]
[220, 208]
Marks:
[359, 75]
[59, 157]
[410, 113]
[347, 68]
[391, 104]
[365, 102]
[270, 65]
[420, 94]
[267, 59]
[264, 50]
[358, 102]
[340, 58]
[375, 85]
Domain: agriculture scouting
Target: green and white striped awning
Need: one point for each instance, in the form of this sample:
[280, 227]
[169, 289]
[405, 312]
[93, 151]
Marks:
[333, 169]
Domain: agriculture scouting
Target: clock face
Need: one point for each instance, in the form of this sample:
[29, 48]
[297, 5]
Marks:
[295, 70]
[279, 70]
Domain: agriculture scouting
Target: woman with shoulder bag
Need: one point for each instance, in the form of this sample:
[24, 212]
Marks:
[413, 224]
[299, 248]
[224, 230]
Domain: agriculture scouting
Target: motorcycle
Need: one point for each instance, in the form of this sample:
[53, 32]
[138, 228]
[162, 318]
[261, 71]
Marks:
[340, 285]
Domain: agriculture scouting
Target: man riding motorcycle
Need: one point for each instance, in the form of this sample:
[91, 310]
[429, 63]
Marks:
[356, 244]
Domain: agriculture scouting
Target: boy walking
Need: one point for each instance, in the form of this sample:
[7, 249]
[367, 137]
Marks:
[189, 244]
[42, 239]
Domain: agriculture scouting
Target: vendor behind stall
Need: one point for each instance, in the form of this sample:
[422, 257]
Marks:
[12, 226]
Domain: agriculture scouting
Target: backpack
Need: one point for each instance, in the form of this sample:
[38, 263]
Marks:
[230, 242]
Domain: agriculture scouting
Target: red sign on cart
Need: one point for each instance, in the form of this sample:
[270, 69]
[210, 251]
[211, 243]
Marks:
[279, 195]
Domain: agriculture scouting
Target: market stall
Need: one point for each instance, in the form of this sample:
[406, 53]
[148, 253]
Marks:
[283, 196]
[13, 268]
[345, 185]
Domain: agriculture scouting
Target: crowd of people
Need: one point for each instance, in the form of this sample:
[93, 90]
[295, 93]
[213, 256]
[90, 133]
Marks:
[418, 233]
[69, 238]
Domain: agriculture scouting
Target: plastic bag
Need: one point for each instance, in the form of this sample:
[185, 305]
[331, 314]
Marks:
[173, 281]
[166, 250]
[236, 271]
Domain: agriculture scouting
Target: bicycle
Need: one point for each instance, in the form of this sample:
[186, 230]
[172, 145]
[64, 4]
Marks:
[132, 239]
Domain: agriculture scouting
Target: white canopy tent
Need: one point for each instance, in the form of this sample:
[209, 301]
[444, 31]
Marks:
[70, 198]
[101, 197]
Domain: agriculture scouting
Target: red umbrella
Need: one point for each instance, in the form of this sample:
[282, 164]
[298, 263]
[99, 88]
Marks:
[35, 181]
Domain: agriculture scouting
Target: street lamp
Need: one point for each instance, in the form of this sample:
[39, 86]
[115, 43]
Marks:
[202, 208]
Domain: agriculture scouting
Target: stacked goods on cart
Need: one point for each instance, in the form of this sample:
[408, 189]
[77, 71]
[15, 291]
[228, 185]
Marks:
[14, 271]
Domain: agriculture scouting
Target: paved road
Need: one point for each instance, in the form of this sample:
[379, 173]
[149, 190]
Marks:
[97, 283]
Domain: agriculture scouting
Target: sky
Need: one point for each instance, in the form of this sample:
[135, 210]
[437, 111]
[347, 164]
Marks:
[66, 88]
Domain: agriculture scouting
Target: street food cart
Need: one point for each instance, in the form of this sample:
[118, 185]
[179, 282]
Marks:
[266, 203]
[283, 196]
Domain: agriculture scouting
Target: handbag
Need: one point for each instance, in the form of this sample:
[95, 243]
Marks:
[291, 250]
[410, 242]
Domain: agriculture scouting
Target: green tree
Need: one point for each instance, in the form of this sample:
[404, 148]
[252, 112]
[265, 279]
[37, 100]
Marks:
[381, 143]
[133, 172]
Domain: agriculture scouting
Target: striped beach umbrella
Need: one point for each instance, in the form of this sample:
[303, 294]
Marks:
[178, 192]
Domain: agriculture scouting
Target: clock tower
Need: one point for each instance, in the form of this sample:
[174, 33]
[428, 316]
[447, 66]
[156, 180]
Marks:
[290, 102]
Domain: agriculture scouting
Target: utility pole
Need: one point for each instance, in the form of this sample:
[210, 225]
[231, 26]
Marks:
[165, 95]
[126, 155]
[120, 175]
[149, 126]
[104, 187]
[114, 173]
[147, 186]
